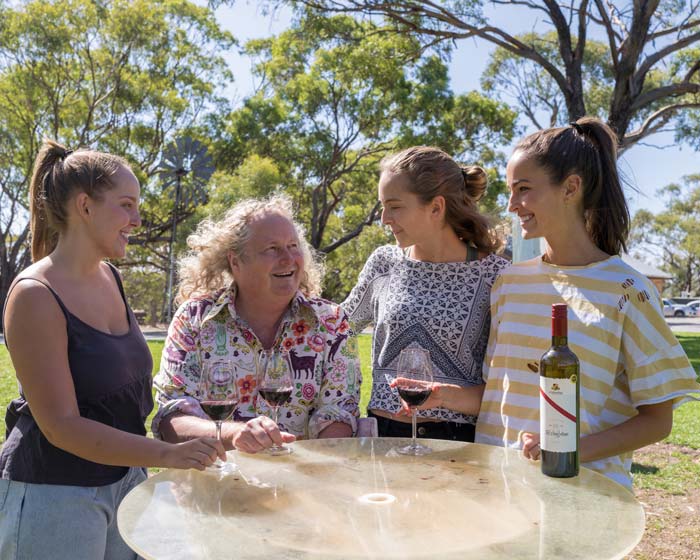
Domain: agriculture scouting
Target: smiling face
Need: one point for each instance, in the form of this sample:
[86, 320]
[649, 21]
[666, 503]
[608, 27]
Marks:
[272, 263]
[114, 214]
[540, 204]
[410, 220]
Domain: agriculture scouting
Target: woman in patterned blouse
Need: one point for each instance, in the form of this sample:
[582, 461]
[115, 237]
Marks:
[248, 284]
[431, 290]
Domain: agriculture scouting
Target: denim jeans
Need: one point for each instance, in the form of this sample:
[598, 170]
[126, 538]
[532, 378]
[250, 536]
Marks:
[71, 522]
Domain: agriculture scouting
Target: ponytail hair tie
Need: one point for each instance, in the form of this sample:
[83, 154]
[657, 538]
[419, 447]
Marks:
[577, 127]
[67, 153]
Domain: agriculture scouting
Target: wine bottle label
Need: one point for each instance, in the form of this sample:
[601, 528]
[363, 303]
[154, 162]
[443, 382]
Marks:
[557, 414]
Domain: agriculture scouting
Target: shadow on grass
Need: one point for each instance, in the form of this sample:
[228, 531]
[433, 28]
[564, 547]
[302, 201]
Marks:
[644, 469]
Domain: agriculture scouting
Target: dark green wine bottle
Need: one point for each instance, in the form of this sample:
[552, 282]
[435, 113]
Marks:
[559, 402]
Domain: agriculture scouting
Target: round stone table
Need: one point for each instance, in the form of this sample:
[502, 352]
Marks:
[357, 498]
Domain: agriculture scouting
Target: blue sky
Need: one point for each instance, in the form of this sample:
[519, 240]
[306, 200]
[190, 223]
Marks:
[647, 167]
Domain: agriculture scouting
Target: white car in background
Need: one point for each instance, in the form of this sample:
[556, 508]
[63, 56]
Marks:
[678, 310]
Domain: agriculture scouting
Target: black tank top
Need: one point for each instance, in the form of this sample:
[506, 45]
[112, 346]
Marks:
[112, 379]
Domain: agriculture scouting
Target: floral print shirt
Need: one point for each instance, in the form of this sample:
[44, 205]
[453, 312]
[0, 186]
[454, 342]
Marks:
[314, 333]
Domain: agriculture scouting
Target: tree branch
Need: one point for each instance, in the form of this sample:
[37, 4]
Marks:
[673, 90]
[676, 29]
[606, 23]
[652, 59]
[371, 217]
[655, 122]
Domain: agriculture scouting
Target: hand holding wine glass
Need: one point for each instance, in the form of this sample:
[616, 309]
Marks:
[434, 399]
[414, 384]
[275, 387]
[218, 395]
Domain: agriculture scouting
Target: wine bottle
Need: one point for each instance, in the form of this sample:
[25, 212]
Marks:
[559, 402]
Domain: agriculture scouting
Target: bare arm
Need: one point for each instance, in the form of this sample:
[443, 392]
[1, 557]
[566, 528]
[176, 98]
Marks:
[652, 424]
[43, 370]
[466, 400]
[251, 436]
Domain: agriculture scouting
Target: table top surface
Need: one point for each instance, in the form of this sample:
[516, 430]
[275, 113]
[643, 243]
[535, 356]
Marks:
[358, 498]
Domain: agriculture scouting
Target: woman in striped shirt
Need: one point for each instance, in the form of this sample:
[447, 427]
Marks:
[564, 186]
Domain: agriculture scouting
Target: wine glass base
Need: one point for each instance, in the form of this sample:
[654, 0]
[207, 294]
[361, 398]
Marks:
[276, 450]
[221, 467]
[416, 450]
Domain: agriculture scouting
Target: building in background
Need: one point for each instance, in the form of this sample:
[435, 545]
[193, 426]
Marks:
[657, 276]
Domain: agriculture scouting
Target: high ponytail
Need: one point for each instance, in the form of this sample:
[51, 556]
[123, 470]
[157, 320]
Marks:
[58, 174]
[588, 148]
[605, 208]
[432, 172]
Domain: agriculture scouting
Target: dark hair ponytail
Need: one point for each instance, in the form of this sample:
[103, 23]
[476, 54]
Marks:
[58, 174]
[588, 148]
[432, 172]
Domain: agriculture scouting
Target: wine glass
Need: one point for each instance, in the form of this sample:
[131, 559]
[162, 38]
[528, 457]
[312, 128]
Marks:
[218, 394]
[275, 387]
[414, 383]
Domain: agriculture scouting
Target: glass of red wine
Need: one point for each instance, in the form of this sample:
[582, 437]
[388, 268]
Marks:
[275, 387]
[218, 393]
[414, 384]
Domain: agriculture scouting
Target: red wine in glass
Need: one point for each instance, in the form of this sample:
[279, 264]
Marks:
[415, 380]
[218, 411]
[274, 396]
[414, 396]
[218, 394]
[275, 387]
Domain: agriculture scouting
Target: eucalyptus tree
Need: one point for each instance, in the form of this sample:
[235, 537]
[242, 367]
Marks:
[648, 71]
[117, 75]
[335, 95]
[674, 233]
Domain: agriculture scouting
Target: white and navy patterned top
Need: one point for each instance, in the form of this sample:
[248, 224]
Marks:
[442, 307]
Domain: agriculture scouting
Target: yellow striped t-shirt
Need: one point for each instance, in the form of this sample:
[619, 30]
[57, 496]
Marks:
[628, 354]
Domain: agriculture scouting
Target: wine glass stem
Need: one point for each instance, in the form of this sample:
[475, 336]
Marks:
[218, 430]
[275, 413]
[413, 426]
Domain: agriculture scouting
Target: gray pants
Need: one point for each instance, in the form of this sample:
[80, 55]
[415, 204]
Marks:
[71, 522]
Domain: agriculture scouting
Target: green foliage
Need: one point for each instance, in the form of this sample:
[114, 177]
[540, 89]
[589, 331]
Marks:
[256, 177]
[675, 233]
[335, 96]
[145, 287]
[633, 64]
[120, 76]
[689, 121]
[343, 265]
[537, 92]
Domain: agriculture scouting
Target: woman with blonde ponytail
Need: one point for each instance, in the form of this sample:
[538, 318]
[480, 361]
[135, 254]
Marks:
[430, 290]
[75, 435]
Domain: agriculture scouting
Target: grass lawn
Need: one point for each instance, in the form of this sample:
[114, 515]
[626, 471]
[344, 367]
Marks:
[686, 431]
